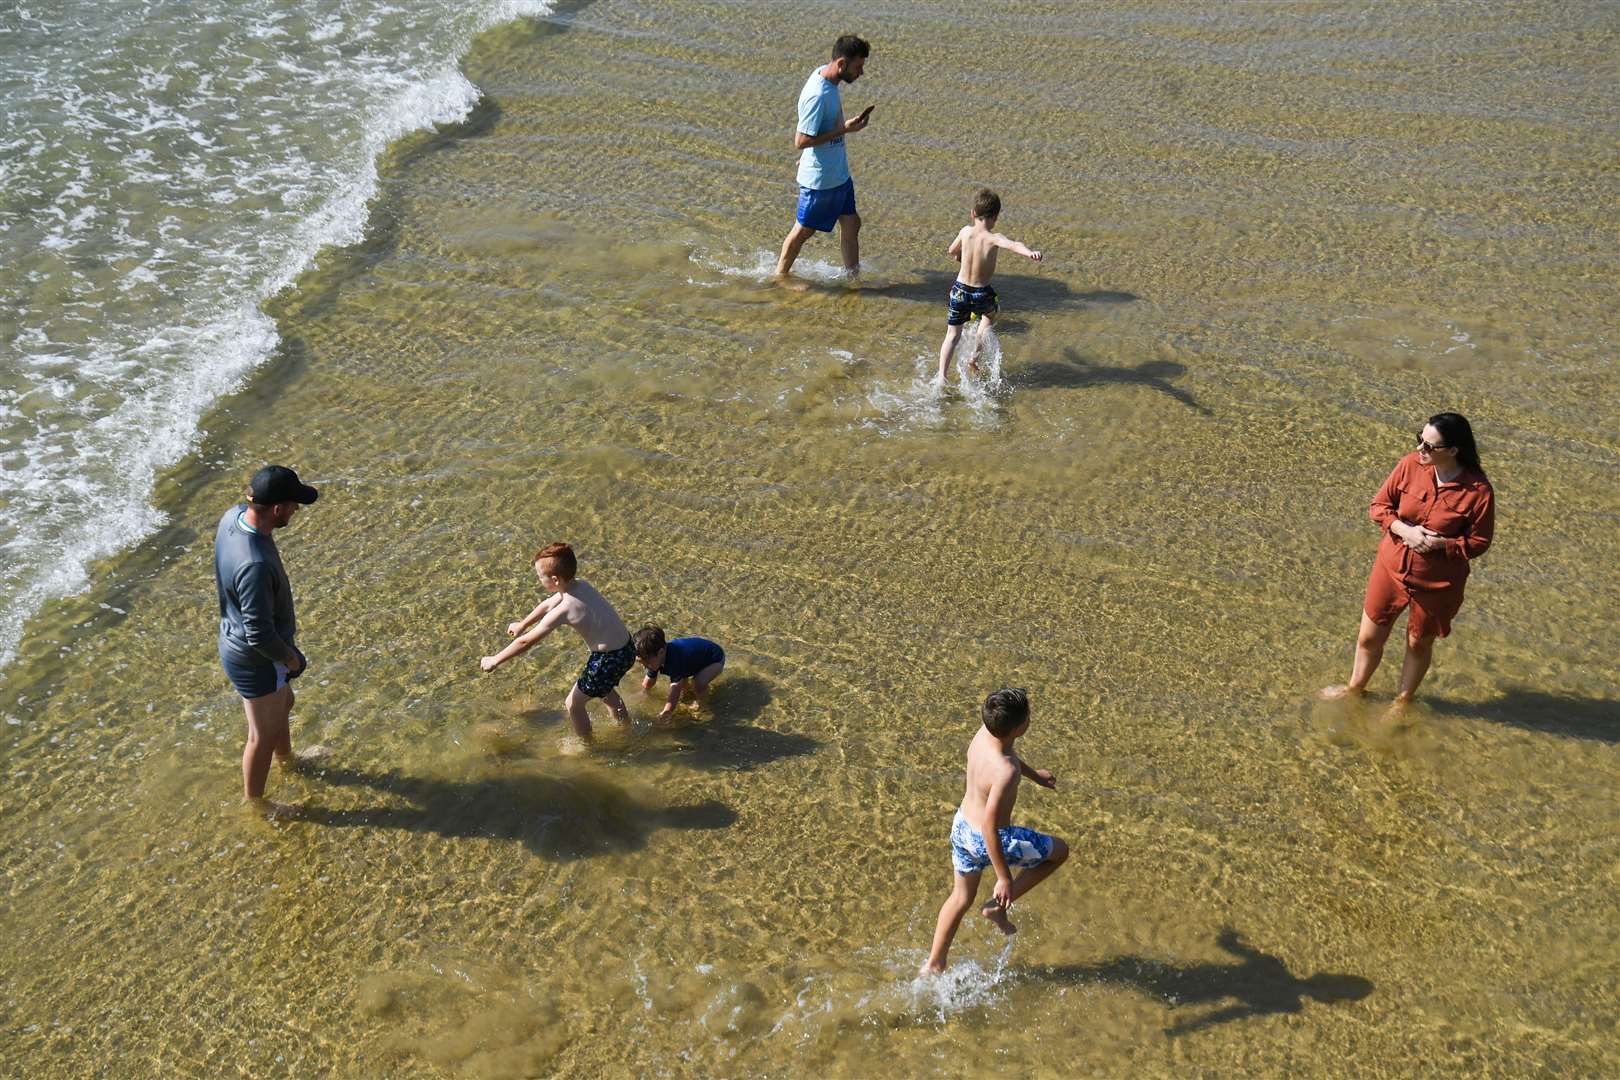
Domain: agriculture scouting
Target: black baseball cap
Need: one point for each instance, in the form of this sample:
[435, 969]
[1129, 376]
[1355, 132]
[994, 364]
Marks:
[277, 484]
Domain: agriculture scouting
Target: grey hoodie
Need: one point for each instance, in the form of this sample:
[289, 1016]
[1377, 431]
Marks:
[256, 621]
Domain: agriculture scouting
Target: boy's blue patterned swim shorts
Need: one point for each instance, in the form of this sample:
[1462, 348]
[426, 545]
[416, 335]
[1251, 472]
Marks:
[1021, 846]
[969, 302]
[604, 670]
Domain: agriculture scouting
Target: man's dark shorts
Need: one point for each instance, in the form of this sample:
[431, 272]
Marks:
[253, 680]
[820, 210]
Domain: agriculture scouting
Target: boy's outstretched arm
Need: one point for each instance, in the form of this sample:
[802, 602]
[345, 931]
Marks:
[514, 629]
[1001, 791]
[1015, 247]
[521, 645]
[1042, 777]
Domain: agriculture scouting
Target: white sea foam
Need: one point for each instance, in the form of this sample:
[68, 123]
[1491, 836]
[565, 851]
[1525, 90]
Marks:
[760, 265]
[145, 223]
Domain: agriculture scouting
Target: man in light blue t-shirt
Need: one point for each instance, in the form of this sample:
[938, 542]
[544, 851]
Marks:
[826, 192]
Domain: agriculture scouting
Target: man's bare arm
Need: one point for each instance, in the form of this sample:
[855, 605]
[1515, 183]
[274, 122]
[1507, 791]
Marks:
[802, 141]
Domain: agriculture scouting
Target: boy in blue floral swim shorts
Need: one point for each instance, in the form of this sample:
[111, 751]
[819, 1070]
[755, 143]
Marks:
[971, 296]
[993, 774]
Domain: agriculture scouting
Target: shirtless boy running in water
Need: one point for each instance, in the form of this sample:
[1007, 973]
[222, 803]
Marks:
[993, 773]
[971, 296]
[573, 602]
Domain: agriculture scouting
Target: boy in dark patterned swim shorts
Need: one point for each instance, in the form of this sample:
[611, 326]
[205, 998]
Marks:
[971, 296]
[993, 773]
[573, 602]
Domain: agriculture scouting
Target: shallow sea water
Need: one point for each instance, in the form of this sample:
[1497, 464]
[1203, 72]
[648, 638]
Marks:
[1277, 237]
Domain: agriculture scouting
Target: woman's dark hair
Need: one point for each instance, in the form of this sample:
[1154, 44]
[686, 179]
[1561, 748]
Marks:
[1455, 433]
[1004, 710]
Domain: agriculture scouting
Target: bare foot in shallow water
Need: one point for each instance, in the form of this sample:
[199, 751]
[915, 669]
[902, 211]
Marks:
[270, 810]
[573, 746]
[1338, 693]
[998, 915]
[310, 757]
[1397, 715]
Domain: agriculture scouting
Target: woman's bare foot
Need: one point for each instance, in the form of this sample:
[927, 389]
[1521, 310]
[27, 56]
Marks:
[310, 757]
[998, 915]
[1338, 693]
[269, 809]
[1398, 715]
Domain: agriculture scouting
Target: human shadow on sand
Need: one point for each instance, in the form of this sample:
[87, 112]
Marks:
[555, 818]
[1033, 291]
[1259, 984]
[1075, 371]
[721, 736]
[1534, 710]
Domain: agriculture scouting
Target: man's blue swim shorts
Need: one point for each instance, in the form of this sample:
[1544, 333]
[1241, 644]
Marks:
[820, 210]
[1021, 846]
[604, 670]
[970, 301]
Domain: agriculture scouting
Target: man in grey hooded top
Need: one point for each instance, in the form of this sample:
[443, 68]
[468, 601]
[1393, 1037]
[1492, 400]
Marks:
[257, 626]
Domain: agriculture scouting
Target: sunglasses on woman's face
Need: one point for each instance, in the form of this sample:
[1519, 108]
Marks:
[1425, 445]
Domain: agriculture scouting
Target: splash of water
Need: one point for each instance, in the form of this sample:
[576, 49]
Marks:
[925, 401]
[966, 984]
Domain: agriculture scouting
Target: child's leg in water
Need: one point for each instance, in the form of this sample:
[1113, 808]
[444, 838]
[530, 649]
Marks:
[697, 691]
[963, 890]
[1024, 881]
[948, 346]
[977, 342]
[578, 715]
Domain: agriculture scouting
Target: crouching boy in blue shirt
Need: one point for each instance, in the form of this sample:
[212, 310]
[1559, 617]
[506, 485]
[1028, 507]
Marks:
[691, 663]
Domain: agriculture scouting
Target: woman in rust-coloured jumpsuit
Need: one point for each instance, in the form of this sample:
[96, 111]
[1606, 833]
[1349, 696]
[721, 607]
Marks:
[1437, 512]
